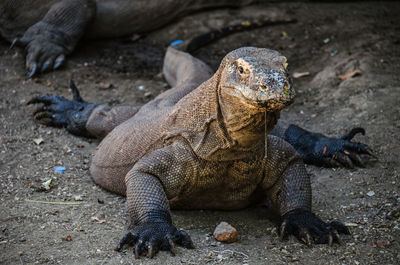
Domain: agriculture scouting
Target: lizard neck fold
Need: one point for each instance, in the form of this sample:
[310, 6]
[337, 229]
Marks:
[247, 123]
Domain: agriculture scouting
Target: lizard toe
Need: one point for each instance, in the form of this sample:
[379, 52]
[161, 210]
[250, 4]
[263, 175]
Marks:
[139, 248]
[182, 238]
[344, 160]
[44, 47]
[127, 239]
[171, 244]
[152, 249]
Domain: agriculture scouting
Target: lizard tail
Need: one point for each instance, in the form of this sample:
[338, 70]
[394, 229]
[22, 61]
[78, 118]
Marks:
[199, 41]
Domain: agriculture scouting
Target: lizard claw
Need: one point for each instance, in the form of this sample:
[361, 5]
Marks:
[75, 92]
[33, 70]
[60, 112]
[47, 64]
[171, 244]
[15, 41]
[348, 136]
[309, 229]
[127, 239]
[148, 238]
[45, 48]
[58, 62]
[152, 250]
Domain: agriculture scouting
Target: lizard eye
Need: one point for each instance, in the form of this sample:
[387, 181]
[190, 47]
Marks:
[241, 70]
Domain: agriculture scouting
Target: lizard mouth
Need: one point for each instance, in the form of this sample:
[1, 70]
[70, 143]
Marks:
[278, 99]
[276, 104]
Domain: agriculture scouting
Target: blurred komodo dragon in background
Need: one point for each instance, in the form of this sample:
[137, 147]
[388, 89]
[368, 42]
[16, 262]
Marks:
[50, 29]
[205, 144]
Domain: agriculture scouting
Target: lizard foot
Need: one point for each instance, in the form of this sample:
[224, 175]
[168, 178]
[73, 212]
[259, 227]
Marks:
[46, 48]
[319, 150]
[308, 228]
[148, 238]
[61, 112]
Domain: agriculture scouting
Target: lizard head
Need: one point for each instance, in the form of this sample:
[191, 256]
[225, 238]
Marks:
[257, 76]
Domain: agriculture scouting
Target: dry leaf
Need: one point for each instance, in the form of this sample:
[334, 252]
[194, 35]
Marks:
[38, 140]
[78, 198]
[97, 220]
[46, 184]
[349, 75]
[351, 224]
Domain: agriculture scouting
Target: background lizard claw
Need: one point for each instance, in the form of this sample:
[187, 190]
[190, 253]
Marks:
[45, 48]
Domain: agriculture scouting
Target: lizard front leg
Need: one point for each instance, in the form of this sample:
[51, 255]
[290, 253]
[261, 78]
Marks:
[288, 187]
[48, 41]
[320, 150]
[78, 116]
[153, 180]
[60, 112]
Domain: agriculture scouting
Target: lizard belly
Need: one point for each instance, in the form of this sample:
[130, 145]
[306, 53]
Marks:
[225, 186]
[119, 151]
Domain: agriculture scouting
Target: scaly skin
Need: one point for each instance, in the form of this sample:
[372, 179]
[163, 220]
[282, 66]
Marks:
[205, 145]
[50, 30]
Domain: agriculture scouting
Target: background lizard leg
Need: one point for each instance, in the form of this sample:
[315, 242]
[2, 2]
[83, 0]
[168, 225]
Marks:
[48, 41]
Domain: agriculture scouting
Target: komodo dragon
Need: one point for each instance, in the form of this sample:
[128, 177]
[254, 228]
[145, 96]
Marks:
[50, 29]
[204, 144]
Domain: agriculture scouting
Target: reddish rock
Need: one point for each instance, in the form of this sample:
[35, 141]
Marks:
[226, 233]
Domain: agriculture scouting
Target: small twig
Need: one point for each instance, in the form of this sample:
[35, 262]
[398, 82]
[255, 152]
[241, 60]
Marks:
[232, 252]
[59, 203]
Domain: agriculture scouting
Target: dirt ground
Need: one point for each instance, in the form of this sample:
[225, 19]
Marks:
[329, 40]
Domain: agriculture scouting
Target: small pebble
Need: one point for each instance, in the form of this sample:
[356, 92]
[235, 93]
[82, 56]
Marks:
[370, 193]
[224, 232]
[104, 85]
[38, 141]
[78, 198]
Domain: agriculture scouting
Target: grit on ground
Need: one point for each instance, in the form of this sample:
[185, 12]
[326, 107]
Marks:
[329, 40]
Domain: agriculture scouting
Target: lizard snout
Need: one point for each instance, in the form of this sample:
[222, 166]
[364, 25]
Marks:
[275, 93]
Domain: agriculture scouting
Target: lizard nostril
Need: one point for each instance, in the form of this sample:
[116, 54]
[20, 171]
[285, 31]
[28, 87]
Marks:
[263, 86]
